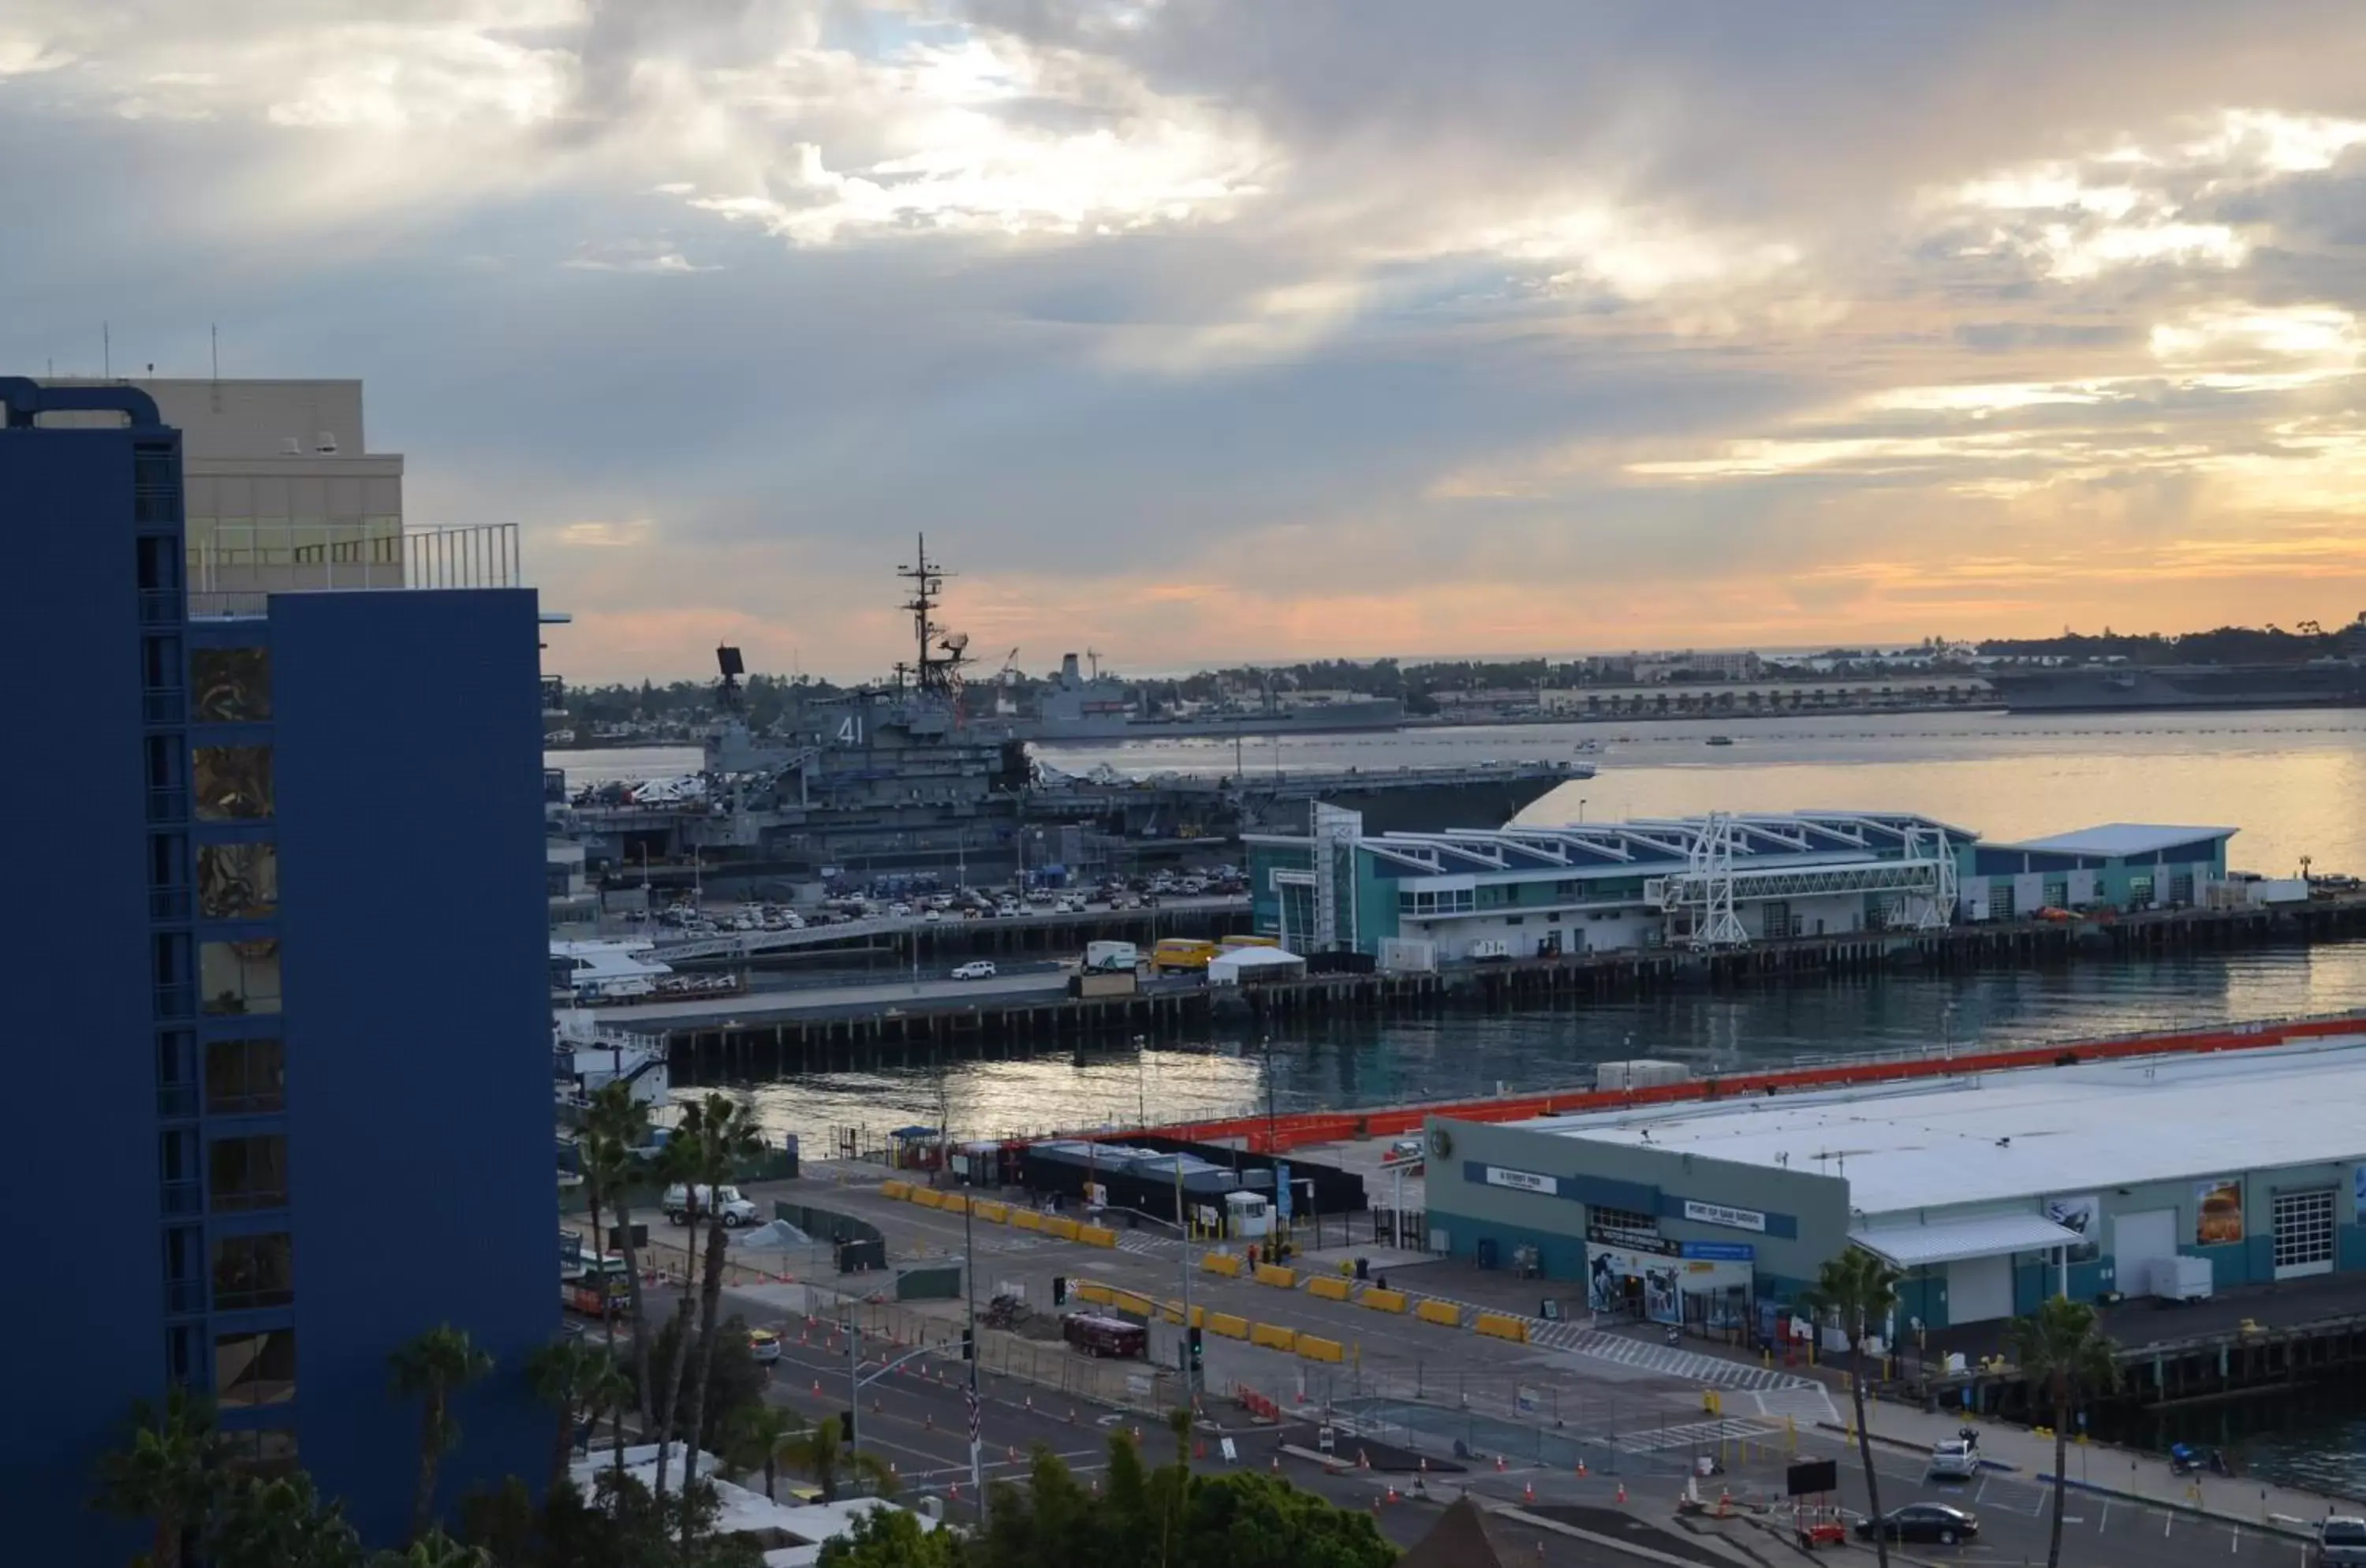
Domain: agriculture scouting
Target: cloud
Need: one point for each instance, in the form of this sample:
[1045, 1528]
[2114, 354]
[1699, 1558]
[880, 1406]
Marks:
[1199, 332]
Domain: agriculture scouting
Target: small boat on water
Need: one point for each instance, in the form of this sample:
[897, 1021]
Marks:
[1720, 740]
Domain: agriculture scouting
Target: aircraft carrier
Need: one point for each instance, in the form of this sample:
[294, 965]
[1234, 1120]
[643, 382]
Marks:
[900, 778]
[2104, 688]
[1089, 709]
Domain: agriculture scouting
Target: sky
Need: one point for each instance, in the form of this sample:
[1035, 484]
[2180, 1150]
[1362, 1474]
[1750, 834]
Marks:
[1202, 331]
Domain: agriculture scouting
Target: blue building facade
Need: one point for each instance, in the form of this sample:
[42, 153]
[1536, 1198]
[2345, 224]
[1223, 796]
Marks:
[287, 915]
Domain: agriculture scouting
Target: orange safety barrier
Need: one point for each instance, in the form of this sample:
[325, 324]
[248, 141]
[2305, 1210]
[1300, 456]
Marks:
[1329, 1127]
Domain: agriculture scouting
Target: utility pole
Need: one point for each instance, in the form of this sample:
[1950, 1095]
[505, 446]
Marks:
[1190, 1370]
[969, 1269]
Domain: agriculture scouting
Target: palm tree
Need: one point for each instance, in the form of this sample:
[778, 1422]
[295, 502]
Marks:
[728, 1139]
[282, 1523]
[431, 1369]
[678, 1162]
[617, 1124]
[435, 1549]
[1859, 1288]
[2061, 1346]
[168, 1471]
[580, 1381]
[757, 1436]
[821, 1453]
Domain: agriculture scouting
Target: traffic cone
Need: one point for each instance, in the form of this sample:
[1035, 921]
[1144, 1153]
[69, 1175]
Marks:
[1528, 1492]
[1499, 1464]
[1363, 1460]
[955, 1492]
[1622, 1492]
[816, 1385]
[1580, 1469]
[1072, 1416]
[1276, 1461]
[930, 1418]
[1030, 1404]
[1010, 1454]
[1376, 1504]
[1392, 1495]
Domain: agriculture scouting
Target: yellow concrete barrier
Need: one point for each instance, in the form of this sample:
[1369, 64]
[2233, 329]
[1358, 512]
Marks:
[1228, 1326]
[1087, 1291]
[1223, 1263]
[1276, 1275]
[1502, 1326]
[1126, 1301]
[928, 1198]
[894, 1189]
[1025, 1220]
[1061, 1227]
[1329, 1289]
[1379, 1300]
[1446, 1312]
[1317, 1349]
[955, 1203]
[1096, 1235]
[1273, 1338]
[1173, 1312]
[990, 1209]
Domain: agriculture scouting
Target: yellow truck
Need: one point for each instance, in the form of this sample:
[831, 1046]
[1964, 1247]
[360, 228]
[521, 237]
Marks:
[1181, 952]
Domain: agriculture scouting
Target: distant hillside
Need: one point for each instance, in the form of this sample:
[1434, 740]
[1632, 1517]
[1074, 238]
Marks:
[2226, 645]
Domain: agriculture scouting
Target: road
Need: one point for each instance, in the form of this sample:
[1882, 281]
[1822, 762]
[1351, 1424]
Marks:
[915, 1417]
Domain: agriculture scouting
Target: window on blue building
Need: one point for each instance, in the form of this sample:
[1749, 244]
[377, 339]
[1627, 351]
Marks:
[253, 1270]
[254, 1368]
[238, 882]
[234, 784]
[245, 1077]
[230, 685]
[240, 977]
[248, 1173]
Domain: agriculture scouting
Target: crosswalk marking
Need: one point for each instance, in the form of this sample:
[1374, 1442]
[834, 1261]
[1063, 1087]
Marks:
[1694, 1435]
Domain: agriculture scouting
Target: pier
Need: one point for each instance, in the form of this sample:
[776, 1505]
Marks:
[850, 1029]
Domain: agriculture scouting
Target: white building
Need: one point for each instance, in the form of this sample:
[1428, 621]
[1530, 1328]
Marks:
[282, 490]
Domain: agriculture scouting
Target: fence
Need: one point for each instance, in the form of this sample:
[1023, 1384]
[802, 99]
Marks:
[1064, 1374]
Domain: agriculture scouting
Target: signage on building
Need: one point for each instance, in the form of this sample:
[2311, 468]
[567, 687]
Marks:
[1724, 1215]
[1632, 1240]
[1521, 1181]
[1652, 1242]
[1720, 1251]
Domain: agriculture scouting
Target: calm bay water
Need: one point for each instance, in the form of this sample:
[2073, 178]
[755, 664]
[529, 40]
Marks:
[2294, 782]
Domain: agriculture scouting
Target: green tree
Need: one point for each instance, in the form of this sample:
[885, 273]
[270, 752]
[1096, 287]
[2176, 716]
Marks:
[168, 1471]
[728, 1139]
[506, 1522]
[431, 1369]
[2062, 1346]
[892, 1538]
[617, 1124]
[739, 1381]
[755, 1437]
[821, 1453]
[580, 1382]
[282, 1523]
[435, 1550]
[1858, 1290]
[624, 1526]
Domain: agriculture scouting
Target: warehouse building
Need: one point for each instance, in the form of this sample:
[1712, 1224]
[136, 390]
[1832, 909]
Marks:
[1411, 899]
[1989, 1192]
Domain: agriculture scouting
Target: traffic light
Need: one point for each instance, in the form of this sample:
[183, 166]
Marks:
[1192, 1339]
[846, 1426]
[969, 1344]
[1059, 1289]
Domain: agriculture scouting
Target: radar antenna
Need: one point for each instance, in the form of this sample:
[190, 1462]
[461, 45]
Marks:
[940, 655]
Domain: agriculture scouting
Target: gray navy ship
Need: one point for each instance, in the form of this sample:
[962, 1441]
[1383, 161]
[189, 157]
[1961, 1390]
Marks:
[1096, 708]
[2103, 688]
[901, 776]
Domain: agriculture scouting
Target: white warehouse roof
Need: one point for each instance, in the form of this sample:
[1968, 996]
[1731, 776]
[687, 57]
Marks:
[1950, 1241]
[2119, 838]
[2034, 1133]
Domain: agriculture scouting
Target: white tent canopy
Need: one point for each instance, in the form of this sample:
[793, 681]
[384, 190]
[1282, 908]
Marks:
[1261, 962]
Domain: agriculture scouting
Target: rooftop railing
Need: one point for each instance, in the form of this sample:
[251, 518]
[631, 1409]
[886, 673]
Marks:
[234, 567]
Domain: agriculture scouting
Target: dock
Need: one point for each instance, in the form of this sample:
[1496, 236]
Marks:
[860, 1028]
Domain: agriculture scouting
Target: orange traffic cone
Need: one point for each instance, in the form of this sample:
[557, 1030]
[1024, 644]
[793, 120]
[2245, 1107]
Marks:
[1581, 1470]
[955, 1492]
[1010, 1454]
[816, 1385]
[1363, 1460]
[1276, 1462]
[1030, 1404]
[1528, 1492]
[1622, 1492]
[1499, 1464]
[1376, 1504]
[929, 1419]
[1392, 1491]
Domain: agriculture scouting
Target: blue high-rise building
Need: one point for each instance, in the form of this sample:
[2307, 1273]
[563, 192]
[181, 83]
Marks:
[278, 1037]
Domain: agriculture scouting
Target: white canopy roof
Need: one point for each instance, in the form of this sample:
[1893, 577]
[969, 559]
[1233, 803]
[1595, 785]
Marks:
[1951, 1241]
[1241, 959]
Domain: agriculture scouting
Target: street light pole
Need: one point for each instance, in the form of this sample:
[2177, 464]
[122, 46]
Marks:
[969, 1269]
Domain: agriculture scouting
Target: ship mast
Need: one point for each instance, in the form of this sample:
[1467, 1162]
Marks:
[939, 654]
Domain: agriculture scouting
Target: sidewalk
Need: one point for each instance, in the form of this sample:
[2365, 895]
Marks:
[2112, 1471]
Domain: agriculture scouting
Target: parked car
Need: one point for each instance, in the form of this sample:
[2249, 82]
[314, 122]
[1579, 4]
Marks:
[1954, 1459]
[975, 969]
[2341, 1542]
[1923, 1521]
[737, 1210]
